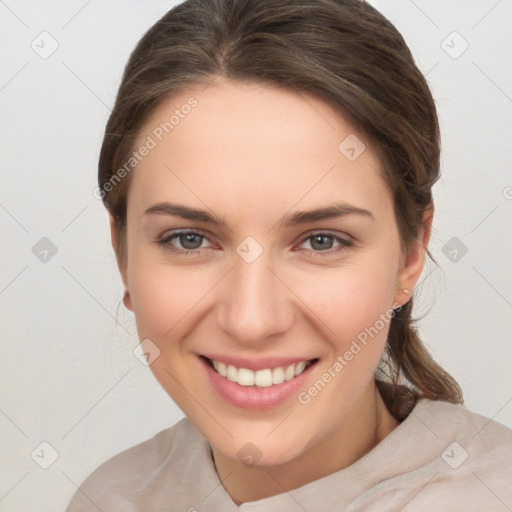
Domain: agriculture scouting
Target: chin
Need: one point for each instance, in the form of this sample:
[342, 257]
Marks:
[265, 444]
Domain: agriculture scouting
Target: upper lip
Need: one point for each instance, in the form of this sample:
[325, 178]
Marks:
[257, 364]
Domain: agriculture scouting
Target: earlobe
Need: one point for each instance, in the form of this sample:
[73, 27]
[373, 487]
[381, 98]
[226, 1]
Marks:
[127, 301]
[114, 237]
[413, 265]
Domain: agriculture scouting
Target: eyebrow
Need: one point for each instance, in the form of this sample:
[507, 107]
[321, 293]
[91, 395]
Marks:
[336, 210]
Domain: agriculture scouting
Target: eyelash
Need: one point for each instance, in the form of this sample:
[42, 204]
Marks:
[164, 242]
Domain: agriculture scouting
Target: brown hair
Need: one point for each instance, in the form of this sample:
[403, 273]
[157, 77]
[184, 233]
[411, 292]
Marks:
[341, 51]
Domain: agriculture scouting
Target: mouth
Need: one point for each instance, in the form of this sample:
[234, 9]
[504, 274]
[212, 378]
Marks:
[262, 378]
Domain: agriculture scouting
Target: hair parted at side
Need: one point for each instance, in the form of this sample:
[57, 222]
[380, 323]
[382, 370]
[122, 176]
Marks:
[342, 51]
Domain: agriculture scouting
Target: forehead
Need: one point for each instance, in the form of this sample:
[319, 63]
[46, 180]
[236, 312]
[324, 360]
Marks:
[249, 142]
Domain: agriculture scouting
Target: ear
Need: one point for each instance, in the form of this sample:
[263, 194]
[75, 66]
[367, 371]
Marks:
[414, 259]
[115, 239]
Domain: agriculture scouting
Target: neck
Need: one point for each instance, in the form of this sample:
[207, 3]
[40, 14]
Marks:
[367, 423]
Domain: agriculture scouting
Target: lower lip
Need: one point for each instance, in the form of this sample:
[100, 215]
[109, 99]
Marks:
[253, 398]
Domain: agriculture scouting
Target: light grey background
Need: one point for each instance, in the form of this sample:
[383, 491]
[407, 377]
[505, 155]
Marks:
[68, 374]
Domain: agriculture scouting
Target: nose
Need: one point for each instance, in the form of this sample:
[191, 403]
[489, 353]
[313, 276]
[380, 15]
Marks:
[257, 306]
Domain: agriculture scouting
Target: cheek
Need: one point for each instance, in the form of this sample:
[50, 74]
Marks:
[162, 294]
[353, 297]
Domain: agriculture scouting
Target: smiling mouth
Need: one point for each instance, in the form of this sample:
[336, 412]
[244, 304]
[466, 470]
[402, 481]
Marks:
[263, 378]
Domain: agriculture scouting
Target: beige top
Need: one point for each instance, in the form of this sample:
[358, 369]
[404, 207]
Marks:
[441, 458]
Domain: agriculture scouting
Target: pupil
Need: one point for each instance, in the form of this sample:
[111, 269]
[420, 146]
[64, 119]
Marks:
[190, 238]
[321, 245]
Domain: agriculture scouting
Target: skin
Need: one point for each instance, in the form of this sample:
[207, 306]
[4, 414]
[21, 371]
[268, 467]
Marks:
[250, 154]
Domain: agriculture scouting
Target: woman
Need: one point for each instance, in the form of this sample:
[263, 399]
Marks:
[267, 169]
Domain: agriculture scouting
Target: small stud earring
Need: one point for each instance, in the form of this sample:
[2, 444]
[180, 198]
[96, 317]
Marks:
[405, 290]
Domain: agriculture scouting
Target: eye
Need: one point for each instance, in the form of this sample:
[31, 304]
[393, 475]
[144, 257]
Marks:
[190, 242]
[322, 243]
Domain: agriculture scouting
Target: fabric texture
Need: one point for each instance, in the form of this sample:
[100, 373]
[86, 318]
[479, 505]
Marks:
[442, 457]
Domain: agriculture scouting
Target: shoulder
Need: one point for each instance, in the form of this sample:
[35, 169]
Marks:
[132, 469]
[473, 440]
[468, 457]
[455, 421]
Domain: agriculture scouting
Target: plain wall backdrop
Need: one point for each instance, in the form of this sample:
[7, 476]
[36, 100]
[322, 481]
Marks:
[69, 378]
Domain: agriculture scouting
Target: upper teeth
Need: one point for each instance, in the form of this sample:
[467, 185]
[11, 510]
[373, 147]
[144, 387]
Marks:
[260, 378]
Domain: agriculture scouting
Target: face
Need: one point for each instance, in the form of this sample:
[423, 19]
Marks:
[250, 286]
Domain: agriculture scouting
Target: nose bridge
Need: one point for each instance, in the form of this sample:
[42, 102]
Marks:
[255, 305]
